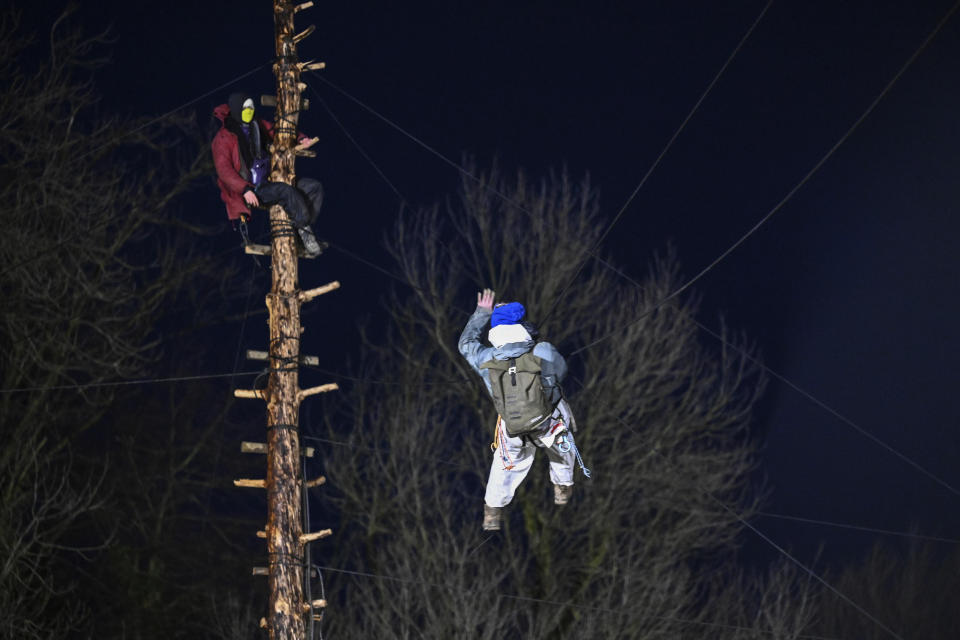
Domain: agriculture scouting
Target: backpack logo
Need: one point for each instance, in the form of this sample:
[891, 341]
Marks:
[518, 393]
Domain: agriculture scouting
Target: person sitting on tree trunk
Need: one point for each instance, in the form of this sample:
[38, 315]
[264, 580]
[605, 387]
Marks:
[243, 168]
[523, 378]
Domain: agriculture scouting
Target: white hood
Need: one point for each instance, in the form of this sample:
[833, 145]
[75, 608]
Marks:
[507, 334]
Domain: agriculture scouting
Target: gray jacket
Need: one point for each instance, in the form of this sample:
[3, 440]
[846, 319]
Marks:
[553, 367]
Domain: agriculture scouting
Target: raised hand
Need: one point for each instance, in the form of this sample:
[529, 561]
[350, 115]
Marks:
[485, 299]
[306, 143]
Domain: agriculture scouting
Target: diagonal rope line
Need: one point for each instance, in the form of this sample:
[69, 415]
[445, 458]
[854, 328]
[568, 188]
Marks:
[107, 221]
[374, 266]
[809, 396]
[359, 148]
[215, 257]
[804, 567]
[174, 110]
[827, 523]
[781, 516]
[739, 518]
[417, 140]
[572, 605]
[839, 416]
[122, 383]
[916, 465]
[236, 362]
[507, 199]
[386, 272]
[243, 325]
[663, 153]
[816, 167]
[707, 493]
[340, 443]
[356, 379]
[749, 233]
[759, 533]
[732, 248]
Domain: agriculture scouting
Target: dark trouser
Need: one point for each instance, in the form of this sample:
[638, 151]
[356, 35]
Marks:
[302, 203]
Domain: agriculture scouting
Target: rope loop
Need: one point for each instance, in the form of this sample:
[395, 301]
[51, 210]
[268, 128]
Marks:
[282, 229]
[285, 363]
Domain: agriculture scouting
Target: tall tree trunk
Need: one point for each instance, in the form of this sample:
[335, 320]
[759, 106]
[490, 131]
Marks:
[286, 621]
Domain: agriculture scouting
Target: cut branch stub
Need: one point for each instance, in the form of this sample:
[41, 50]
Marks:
[316, 604]
[261, 447]
[311, 66]
[250, 394]
[250, 483]
[312, 391]
[303, 34]
[265, 571]
[310, 294]
[316, 482]
[257, 249]
[302, 6]
[316, 535]
[267, 250]
[313, 361]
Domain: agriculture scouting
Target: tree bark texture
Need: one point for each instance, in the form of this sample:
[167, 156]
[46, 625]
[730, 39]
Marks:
[286, 619]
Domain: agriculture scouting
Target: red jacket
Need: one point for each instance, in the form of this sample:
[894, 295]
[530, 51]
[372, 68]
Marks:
[232, 175]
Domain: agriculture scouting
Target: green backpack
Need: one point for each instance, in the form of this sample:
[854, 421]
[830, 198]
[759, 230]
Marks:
[518, 393]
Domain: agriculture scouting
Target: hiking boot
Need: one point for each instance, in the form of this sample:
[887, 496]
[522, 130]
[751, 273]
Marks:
[562, 493]
[491, 518]
[311, 247]
[324, 245]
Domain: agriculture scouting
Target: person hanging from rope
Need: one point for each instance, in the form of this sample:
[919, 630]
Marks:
[243, 167]
[523, 378]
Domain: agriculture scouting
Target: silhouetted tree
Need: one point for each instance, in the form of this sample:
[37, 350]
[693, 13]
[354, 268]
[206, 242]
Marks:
[89, 264]
[912, 591]
[645, 548]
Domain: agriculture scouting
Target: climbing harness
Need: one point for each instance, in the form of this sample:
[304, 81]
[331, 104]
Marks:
[550, 438]
[557, 427]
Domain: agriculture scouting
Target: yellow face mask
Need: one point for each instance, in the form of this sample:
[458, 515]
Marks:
[247, 115]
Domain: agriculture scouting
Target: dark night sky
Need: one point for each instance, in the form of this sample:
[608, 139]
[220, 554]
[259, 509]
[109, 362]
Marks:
[850, 291]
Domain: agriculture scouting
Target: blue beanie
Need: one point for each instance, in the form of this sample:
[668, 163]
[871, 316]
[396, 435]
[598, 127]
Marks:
[510, 313]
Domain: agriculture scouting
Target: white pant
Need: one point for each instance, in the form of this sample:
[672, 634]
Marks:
[513, 458]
